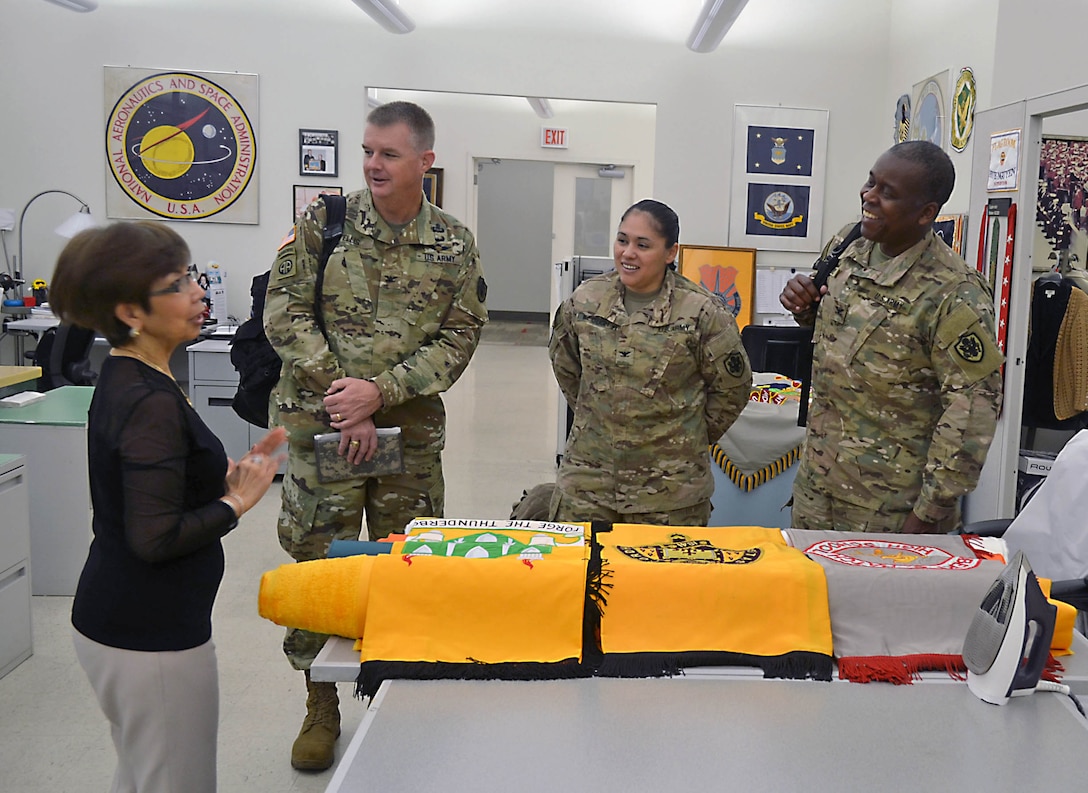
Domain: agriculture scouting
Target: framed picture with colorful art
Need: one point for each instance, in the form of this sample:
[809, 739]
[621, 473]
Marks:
[730, 273]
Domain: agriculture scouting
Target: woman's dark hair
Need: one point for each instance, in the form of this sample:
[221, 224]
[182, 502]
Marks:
[101, 268]
[665, 220]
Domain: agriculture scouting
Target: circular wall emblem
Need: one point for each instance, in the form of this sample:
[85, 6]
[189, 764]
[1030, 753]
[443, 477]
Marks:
[180, 146]
[928, 122]
[889, 554]
[778, 206]
[963, 110]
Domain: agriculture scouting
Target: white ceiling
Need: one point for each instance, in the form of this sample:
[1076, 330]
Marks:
[660, 20]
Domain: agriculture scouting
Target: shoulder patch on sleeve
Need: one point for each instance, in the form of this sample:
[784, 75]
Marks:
[288, 238]
[970, 347]
[734, 364]
[481, 289]
[285, 267]
[969, 343]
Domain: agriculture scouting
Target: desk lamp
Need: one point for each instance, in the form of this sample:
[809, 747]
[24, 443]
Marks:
[80, 220]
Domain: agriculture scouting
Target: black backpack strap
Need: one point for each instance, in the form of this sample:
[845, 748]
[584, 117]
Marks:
[335, 212]
[824, 268]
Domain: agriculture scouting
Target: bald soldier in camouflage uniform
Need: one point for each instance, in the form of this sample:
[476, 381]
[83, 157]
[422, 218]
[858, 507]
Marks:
[403, 305]
[653, 367]
[906, 376]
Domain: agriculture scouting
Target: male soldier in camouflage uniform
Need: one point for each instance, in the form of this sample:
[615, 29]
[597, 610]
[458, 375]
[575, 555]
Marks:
[403, 305]
[906, 376]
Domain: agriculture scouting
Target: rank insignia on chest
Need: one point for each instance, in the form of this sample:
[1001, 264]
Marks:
[734, 364]
[970, 347]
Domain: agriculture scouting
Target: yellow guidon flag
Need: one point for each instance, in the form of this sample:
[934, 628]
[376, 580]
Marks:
[691, 596]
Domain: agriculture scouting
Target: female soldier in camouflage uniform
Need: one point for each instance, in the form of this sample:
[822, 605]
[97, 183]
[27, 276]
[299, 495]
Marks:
[653, 367]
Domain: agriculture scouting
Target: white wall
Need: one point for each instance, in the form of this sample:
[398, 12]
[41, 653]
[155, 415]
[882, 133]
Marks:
[314, 65]
[474, 125]
[1040, 48]
[930, 36]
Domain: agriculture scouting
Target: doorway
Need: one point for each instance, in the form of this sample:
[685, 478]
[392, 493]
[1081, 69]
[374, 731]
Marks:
[996, 492]
[531, 214]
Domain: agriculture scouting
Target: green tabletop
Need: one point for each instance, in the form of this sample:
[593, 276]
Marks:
[65, 406]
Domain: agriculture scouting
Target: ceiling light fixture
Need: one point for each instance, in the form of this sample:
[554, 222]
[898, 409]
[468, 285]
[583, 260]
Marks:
[713, 23]
[386, 13]
[77, 5]
[542, 107]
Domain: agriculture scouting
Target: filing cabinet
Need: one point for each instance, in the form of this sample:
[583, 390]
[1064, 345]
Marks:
[15, 635]
[212, 383]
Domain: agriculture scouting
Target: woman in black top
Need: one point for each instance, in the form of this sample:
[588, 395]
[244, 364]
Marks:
[163, 494]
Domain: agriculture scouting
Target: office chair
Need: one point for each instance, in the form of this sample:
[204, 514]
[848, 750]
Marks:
[63, 354]
[773, 348]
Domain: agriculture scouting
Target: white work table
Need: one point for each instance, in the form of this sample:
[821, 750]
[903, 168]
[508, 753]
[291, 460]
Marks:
[688, 734]
[338, 662]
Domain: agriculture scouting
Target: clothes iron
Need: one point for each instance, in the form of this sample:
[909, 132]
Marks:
[1008, 643]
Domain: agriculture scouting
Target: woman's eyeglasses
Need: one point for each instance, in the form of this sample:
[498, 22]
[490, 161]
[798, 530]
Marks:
[180, 284]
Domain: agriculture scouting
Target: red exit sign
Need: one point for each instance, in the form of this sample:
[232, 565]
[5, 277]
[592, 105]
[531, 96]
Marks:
[553, 138]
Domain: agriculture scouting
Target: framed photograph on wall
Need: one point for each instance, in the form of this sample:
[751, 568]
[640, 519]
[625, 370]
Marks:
[432, 186]
[779, 161]
[951, 229]
[317, 152]
[730, 273]
[304, 194]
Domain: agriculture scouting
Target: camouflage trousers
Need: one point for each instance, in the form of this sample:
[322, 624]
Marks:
[313, 514]
[815, 510]
[573, 508]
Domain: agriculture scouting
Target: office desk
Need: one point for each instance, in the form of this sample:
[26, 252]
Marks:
[52, 435]
[708, 734]
[16, 378]
[32, 326]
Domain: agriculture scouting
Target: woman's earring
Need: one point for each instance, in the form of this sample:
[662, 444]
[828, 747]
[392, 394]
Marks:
[133, 333]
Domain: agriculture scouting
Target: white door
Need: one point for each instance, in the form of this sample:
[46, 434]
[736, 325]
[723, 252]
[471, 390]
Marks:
[586, 212]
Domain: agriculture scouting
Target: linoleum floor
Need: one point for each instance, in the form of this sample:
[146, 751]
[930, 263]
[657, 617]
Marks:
[501, 439]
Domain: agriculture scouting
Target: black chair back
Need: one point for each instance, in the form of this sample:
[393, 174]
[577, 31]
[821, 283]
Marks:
[773, 348]
[63, 353]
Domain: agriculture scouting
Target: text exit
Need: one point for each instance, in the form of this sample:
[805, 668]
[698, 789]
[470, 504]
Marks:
[553, 138]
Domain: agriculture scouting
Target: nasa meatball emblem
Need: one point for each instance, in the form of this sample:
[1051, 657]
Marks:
[180, 145]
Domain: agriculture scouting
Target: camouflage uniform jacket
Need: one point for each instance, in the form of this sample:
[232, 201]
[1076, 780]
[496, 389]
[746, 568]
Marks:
[906, 382]
[404, 310]
[650, 392]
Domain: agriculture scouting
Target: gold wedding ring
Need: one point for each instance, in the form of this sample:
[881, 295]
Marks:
[353, 443]
[336, 417]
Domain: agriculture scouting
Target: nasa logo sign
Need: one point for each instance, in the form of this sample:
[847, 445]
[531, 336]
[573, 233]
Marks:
[180, 146]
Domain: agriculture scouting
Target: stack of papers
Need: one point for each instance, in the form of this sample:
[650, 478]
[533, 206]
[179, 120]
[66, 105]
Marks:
[21, 399]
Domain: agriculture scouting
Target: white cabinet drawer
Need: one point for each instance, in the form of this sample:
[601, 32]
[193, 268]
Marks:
[15, 639]
[14, 517]
[211, 367]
